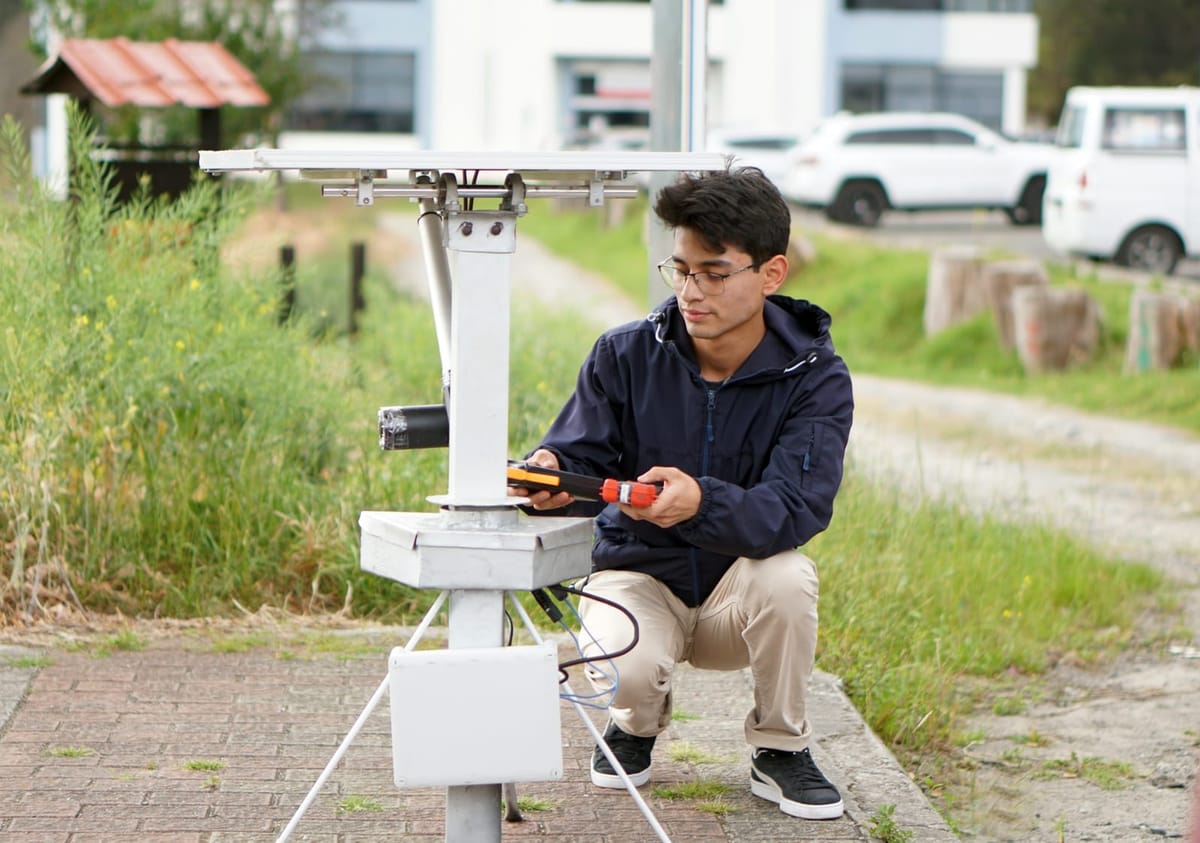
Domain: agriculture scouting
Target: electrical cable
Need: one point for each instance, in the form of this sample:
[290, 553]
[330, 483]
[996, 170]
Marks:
[607, 656]
[648, 814]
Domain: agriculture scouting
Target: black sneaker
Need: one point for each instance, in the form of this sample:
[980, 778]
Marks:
[792, 780]
[633, 753]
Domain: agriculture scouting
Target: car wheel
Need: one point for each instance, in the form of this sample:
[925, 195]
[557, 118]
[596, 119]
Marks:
[860, 203]
[1152, 248]
[1028, 210]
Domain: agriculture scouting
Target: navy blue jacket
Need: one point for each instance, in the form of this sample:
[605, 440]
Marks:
[766, 445]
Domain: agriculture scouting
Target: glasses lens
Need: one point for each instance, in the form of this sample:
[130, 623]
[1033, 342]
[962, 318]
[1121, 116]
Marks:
[708, 283]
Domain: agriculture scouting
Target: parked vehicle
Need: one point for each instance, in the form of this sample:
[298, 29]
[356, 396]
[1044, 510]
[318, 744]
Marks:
[855, 166]
[1125, 183]
[768, 150]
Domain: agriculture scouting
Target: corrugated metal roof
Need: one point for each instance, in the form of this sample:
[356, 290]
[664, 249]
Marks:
[117, 71]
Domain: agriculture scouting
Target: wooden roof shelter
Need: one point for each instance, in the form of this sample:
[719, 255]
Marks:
[116, 72]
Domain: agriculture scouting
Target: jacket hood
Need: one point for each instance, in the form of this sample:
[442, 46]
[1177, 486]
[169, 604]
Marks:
[800, 326]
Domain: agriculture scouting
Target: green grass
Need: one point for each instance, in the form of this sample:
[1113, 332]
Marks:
[354, 803]
[687, 753]
[965, 598]
[70, 751]
[703, 790]
[533, 804]
[1106, 775]
[612, 248]
[29, 662]
[204, 765]
[882, 826]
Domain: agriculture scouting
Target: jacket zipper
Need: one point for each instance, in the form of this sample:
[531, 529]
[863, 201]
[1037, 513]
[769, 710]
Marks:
[705, 456]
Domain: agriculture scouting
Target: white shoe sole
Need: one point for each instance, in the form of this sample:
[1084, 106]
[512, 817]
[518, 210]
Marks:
[768, 791]
[612, 780]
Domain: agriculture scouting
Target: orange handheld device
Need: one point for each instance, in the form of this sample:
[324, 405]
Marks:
[582, 486]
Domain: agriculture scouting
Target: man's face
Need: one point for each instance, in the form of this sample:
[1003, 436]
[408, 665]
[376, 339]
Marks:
[707, 312]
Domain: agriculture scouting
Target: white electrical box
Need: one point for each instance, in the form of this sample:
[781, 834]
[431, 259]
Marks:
[472, 716]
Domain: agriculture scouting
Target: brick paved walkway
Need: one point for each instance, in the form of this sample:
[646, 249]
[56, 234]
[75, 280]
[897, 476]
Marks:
[187, 741]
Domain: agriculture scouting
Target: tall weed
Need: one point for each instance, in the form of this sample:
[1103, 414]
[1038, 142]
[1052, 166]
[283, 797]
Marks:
[161, 441]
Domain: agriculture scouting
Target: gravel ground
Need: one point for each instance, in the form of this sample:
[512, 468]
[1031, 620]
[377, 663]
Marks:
[1131, 489]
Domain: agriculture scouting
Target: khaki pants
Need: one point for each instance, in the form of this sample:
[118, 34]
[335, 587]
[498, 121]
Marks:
[762, 615]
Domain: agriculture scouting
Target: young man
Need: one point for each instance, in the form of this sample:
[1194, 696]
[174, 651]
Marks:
[732, 398]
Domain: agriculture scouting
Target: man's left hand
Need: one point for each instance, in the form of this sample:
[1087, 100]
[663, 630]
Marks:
[678, 501]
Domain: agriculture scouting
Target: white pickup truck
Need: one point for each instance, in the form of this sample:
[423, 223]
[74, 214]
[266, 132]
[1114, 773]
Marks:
[856, 166]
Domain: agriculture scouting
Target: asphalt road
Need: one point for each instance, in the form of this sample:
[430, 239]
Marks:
[931, 229]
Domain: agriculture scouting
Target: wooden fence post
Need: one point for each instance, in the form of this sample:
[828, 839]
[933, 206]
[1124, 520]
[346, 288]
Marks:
[287, 301]
[358, 267]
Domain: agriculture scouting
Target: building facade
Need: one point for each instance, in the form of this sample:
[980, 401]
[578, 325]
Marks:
[549, 74]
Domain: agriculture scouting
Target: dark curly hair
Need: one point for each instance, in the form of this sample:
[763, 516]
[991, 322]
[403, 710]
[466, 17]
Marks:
[739, 208]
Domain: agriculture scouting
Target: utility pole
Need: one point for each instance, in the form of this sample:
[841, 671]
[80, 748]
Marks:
[678, 80]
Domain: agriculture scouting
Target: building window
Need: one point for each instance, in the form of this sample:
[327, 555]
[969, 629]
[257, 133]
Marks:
[606, 104]
[358, 92]
[875, 87]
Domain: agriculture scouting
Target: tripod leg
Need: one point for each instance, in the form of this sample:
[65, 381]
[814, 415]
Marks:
[512, 813]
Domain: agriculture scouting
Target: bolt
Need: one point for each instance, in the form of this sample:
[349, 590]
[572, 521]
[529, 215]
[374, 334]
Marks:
[497, 227]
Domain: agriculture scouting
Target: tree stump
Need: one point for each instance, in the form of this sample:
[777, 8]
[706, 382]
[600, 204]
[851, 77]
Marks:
[954, 290]
[999, 281]
[1054, 327]
[800, 252]
[1162, 327]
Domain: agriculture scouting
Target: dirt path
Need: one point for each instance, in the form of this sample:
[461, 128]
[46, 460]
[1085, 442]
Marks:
[1131, 489]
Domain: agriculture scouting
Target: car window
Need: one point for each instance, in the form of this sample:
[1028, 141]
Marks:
[1144, 130]
[780, 143]
[1070, 127]
[953, 137]
[907, 137]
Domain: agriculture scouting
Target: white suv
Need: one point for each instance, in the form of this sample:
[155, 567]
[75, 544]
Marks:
[854, 166]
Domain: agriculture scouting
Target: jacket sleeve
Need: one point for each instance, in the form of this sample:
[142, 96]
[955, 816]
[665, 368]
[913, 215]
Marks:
[793, 500]
[586, 435]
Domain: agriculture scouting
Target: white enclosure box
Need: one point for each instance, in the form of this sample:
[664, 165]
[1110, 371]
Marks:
[474, 716]
[520, 554]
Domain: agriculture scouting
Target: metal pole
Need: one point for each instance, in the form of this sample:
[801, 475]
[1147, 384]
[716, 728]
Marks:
[678, 74]
[482, 245]
[437, 272]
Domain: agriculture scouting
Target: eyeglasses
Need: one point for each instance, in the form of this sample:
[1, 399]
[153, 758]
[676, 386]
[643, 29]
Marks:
[708, 283]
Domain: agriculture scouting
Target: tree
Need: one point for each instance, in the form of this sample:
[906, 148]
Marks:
[1112, 42]
[267, 36]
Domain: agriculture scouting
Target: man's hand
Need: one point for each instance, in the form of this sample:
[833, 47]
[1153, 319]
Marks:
[678, 501]
[542, 499]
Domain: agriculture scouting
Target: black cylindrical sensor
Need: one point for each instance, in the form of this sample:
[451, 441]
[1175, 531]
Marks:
[408, 428]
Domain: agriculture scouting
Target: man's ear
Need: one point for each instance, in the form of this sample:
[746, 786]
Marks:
[774, 272]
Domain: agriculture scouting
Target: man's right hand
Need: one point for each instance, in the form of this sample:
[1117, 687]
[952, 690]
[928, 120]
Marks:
[543, 499]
